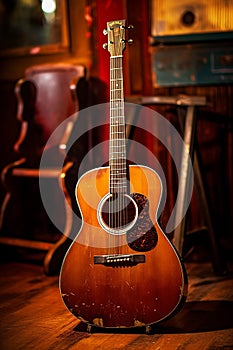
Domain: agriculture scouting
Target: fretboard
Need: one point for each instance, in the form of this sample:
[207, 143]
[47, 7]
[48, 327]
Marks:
[117, 147]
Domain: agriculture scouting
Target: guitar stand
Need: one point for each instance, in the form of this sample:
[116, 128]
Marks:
[191, 103]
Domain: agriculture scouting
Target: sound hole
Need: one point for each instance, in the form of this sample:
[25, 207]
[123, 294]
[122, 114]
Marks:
[118, 213]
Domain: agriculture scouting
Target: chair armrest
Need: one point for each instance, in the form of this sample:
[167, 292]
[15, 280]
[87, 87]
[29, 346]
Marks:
[22, 135]
[10, 167]
[24, 113]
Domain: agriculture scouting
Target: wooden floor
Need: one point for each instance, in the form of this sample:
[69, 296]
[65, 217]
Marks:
[33, 315]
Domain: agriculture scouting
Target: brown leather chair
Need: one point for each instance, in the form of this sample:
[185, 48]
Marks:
[46, 97]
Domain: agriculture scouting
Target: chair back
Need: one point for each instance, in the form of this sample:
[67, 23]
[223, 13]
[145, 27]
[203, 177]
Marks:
[46, 97]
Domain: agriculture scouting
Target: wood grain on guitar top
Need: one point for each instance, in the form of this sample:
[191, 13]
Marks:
[103, 281]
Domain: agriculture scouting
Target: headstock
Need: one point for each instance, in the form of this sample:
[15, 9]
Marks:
[116, 37]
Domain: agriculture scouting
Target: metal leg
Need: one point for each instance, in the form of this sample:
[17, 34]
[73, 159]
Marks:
[179, 233]
[182, 197]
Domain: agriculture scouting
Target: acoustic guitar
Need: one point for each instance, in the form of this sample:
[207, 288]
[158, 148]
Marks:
[121, 270]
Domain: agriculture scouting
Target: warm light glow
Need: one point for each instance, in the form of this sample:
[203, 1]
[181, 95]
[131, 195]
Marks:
[48, 6]
[62, 146]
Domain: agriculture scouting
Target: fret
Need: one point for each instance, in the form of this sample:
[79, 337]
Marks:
[120, 178]
[115, 68]
[117, 149]
[116, 168]
[117, 133]
[118, 119]
[119, 188]
[119, 182]
[117, 99]
[118, 128]
[115, 105]
[116, 109]
[117, 155]
[116, 89]
[118, 173]
[118, 137]
[114, 148]
[117, 162]
[116, 79]
[118, 140]
[116, 123]
[115, 84]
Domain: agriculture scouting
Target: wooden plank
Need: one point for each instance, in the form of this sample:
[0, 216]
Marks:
[34, 316]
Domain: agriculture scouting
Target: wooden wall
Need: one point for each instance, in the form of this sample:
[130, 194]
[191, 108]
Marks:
[214, 129]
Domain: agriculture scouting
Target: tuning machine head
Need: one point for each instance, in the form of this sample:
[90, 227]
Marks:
[129, 41]
[128, 27]
[116, 42]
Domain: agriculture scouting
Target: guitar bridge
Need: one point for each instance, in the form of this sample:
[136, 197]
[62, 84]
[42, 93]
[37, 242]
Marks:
[122, 260]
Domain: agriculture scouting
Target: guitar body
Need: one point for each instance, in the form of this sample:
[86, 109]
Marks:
[121, 278]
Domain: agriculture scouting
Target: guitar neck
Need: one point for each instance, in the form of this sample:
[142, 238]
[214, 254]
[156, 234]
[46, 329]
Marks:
[117, 147]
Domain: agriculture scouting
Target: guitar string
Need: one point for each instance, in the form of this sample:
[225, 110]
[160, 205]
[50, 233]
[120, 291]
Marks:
[123, 209]
[112, 126]
[119, 143]
[118, 178]
[118, 148]
[115, 149]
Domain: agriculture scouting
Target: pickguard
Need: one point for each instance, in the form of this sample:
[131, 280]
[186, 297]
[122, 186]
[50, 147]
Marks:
[143, 236]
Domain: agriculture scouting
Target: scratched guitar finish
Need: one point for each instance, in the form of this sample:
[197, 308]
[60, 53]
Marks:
[125, 273]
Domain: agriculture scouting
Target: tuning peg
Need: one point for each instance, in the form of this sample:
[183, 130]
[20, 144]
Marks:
[105, 32]
[105, 45]
[130, 41]
[129, 27]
